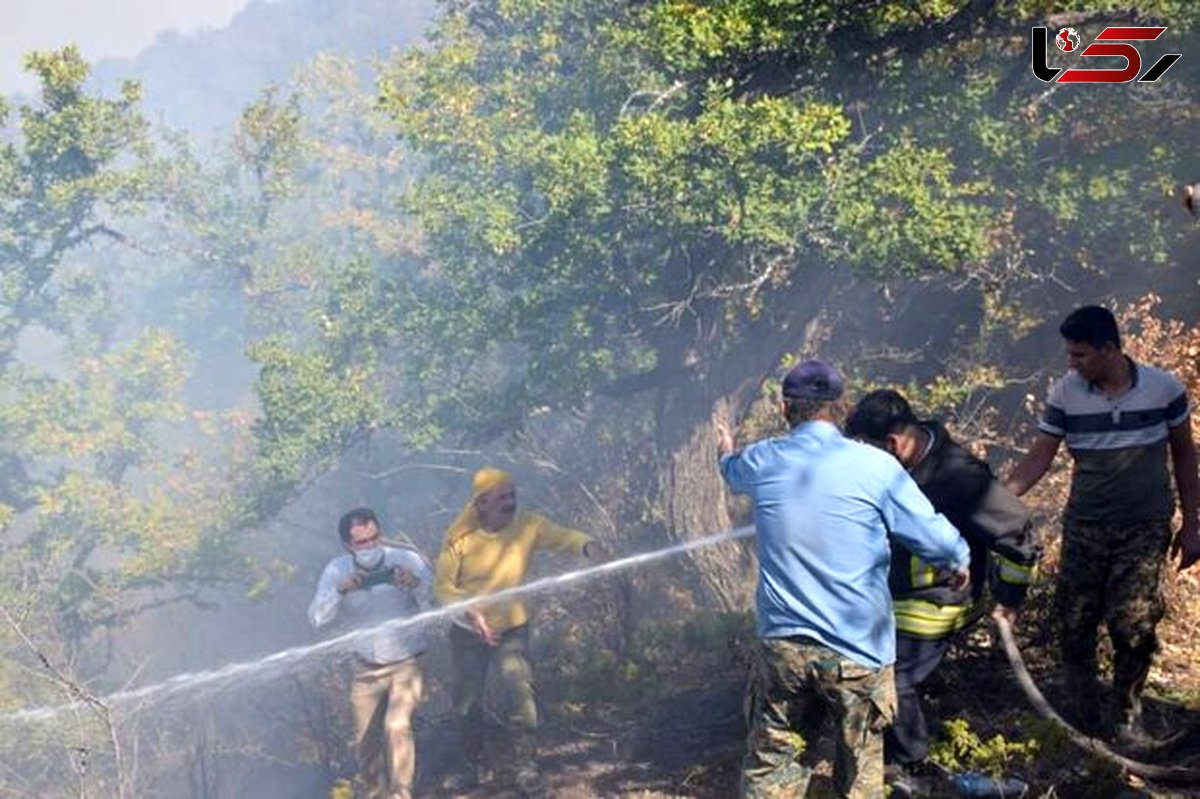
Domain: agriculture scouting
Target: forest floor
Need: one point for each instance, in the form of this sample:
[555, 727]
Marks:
[660, 714]
[687, 737]
[690, 743]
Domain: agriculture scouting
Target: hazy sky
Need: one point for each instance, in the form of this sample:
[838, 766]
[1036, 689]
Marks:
[101, 28]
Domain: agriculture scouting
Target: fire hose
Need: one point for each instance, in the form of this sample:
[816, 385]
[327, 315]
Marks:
[1151, 771]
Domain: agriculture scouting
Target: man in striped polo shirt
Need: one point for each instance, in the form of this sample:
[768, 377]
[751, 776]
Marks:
[1120, 419]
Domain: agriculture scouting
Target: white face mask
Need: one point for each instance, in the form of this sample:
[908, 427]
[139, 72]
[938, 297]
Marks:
[368, 558]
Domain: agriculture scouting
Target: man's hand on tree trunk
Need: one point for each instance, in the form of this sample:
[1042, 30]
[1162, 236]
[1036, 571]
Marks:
[725, 445]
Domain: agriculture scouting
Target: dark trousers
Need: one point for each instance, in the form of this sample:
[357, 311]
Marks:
[907, 740]
[472, 659]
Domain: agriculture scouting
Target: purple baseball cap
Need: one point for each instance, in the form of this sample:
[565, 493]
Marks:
[813, 380]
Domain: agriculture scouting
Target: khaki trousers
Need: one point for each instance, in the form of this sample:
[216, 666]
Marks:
[383, 698]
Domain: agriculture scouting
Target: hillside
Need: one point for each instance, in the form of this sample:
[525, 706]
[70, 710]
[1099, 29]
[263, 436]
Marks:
[201, 81]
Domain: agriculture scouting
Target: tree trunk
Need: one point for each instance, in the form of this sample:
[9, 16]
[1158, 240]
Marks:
[693, 498]
[692, 495]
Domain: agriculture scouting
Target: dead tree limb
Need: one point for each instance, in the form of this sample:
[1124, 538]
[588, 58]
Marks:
[84, 699]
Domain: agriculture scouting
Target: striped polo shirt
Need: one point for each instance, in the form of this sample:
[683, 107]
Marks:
[1119, 444]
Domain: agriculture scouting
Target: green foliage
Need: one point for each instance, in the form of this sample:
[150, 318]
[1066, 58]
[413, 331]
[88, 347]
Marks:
[949, 393]
[551, 197]
[1177, 13]
[291, 224]
[962, 750]
[699, 36]
[74, 158]
[310, 406]
[907, 212]
[748, 172]
[101, 452]
[709, 154]
[267, 141]
[80, 441]
[106, 413]
[557, 221]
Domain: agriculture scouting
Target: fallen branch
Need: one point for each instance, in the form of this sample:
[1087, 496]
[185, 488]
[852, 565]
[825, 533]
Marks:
[1178, 774]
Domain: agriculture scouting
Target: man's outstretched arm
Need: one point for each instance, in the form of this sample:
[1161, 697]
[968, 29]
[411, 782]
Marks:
[1036, 463]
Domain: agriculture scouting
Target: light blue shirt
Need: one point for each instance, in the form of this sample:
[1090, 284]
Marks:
[371, 606]
[824, 506]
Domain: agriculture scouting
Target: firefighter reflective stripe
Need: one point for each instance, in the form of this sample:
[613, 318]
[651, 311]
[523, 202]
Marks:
[926, 620]
[1014, 573]
[920, 573]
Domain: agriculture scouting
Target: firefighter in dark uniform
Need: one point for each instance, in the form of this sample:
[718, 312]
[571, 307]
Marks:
[1004, 552]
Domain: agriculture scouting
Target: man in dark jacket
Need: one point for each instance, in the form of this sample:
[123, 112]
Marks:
[1004, 551]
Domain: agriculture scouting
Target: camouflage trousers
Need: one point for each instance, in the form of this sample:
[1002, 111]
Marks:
[797, 686]
[1111, 573]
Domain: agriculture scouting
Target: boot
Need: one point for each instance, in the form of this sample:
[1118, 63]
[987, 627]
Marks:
[473, 771]
[530, 784]
[1129, 732]
[528, 777]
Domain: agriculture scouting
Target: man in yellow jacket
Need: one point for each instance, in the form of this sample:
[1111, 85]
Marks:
[489, 548]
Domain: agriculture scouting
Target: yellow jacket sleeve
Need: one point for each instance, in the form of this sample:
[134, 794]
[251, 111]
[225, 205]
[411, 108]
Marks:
[445, 577]
[560, 539]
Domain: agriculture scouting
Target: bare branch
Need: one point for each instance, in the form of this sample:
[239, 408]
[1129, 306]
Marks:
[1066, 18]
[774, 270]
[433, 467]
[1030, 109]
[659, 97]
[84, 698]
[893, 354]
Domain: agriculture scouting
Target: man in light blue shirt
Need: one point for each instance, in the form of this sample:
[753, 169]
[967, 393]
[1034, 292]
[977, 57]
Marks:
[372, 583]
[824, 506]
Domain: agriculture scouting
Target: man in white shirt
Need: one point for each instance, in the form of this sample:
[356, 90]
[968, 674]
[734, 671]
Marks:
[371, 584]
